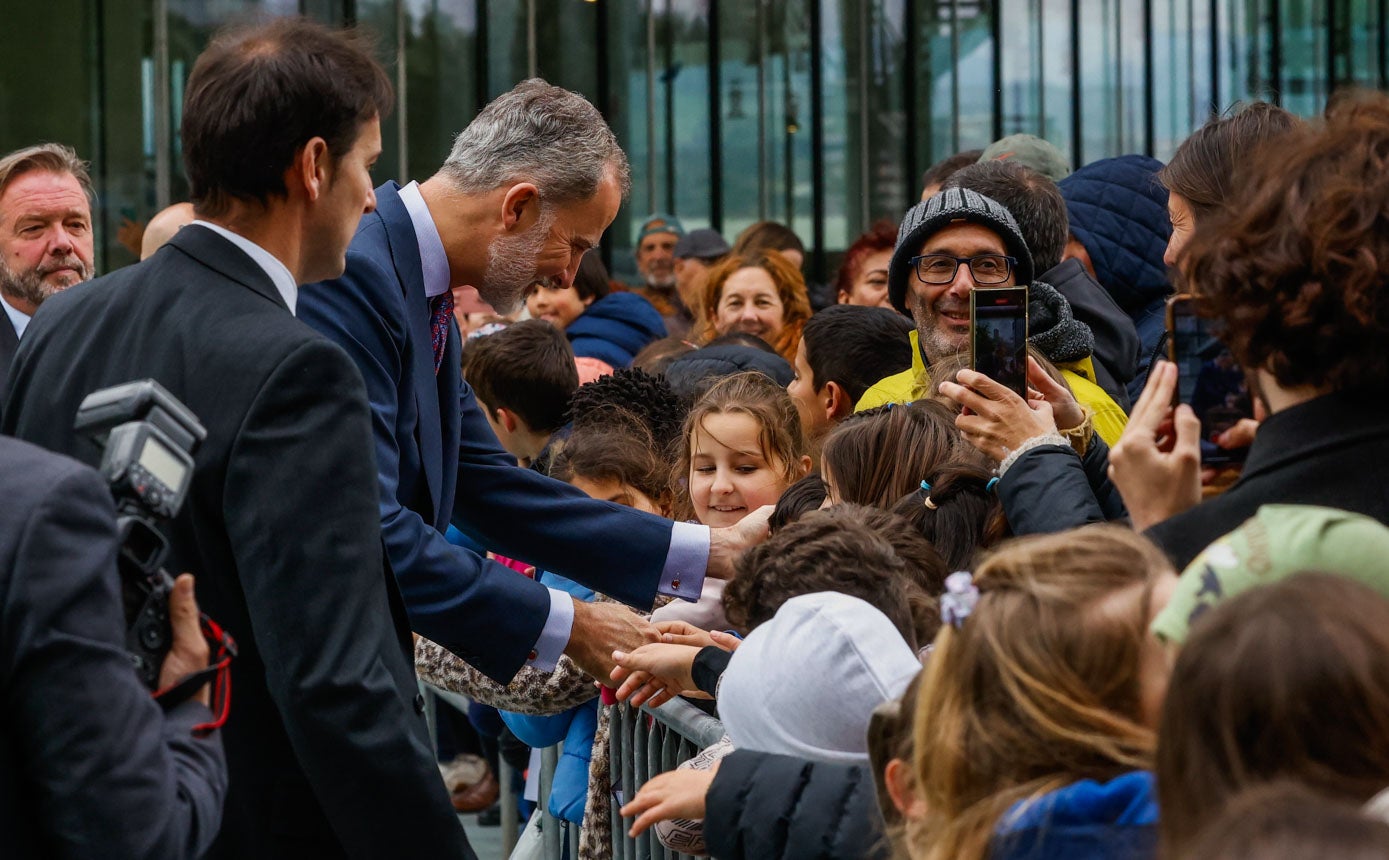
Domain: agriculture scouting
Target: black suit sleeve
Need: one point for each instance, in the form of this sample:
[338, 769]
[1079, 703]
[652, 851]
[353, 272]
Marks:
[301, 513]
[113, 775]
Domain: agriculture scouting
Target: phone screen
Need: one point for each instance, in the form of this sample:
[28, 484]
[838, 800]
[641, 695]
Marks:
[998, 335]
[1209, 379]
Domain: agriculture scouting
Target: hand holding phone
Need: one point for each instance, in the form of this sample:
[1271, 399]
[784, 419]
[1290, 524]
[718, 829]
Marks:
[1209, 380]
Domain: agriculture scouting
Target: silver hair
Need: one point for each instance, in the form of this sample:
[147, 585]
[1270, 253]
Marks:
[542, 134]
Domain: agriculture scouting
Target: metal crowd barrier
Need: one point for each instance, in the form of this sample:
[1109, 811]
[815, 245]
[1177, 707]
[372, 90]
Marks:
[641, 743]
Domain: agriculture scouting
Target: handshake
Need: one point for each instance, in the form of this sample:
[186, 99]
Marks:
[657, 672]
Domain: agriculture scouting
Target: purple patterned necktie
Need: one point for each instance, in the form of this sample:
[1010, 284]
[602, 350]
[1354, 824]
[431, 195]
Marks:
[440, 312]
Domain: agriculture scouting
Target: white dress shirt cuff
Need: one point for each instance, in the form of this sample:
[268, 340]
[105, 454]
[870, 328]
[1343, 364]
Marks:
[555, 635]
[686, 562]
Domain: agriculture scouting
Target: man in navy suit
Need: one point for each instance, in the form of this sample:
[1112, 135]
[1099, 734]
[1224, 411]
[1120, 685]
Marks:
[529, 187]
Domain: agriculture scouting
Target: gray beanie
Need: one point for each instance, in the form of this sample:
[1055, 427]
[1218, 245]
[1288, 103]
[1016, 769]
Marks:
[931, 216]
[806, 682]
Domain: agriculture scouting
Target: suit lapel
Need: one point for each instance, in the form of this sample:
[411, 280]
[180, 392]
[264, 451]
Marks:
[218, 254]
[405, 256]
[9, 344]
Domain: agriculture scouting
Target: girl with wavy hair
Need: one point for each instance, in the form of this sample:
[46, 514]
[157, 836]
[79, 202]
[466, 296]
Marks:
[1034, 730]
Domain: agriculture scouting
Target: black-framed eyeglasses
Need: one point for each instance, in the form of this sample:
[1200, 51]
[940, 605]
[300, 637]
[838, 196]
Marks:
[986, 269]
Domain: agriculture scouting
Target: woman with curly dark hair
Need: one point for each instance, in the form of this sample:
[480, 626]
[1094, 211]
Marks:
[1295, 271]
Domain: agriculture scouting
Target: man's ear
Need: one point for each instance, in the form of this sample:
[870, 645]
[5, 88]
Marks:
[506, 418]
[309, 172]
[520, 207]
[838, 403]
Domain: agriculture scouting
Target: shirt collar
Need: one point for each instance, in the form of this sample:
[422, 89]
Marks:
[277, 271]
[18, 318]
[434, 262]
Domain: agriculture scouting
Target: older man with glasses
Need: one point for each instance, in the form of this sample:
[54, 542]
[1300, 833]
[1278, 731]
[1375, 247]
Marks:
[949, 245]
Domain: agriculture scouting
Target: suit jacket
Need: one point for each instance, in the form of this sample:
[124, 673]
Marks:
[1329, 451]
[9, 342]
[438, 460]
[326, 740]
[89, 764]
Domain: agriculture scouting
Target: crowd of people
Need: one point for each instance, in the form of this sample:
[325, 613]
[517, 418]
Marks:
[935, 616]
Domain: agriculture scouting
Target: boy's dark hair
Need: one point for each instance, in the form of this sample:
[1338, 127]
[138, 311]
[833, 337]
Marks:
[639, 395]
[529, 369]
[848, 549]
[802, 497]
[856, 347]
[592, 280]
[255, 96]
[1034, 200]
[942, 170]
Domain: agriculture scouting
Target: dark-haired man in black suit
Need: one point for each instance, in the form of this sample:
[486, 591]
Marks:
[326, 742]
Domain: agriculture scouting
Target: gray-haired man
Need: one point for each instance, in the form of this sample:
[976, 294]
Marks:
[529, 187]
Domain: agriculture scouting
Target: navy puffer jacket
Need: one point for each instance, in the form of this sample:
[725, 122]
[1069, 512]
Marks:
[615, 328]
[1118, 211]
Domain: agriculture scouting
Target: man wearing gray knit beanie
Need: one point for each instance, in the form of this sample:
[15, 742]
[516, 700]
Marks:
[965, 225]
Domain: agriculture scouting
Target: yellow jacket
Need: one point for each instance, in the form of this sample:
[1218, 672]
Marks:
[1109, 419]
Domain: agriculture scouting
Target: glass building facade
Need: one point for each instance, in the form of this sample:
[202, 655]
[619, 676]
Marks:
[818, 113]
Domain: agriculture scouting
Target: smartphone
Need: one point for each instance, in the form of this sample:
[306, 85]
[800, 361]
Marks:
[998, 335]
[1209, 380]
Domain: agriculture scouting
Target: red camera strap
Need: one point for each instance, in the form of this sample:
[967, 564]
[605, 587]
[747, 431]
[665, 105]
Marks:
[218, 672]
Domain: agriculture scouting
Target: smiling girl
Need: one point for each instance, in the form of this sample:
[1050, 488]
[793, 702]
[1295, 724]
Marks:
[741, 449]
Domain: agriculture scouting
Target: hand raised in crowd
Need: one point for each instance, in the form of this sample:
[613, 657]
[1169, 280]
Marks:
[1156, 464]
[189, 652]
[728, 543]
[601, 628]
[997, 421]
[655, 674]
[674, 794]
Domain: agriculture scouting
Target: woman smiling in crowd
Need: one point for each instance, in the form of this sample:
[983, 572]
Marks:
[759, 294]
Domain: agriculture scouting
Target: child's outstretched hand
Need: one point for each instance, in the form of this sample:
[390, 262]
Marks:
[654, 674]
[674, 794]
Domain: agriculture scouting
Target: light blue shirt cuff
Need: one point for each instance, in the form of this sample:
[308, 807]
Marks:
[686, 562]
[555, 635]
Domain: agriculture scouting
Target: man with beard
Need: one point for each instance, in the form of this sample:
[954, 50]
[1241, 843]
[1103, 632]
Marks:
[655, 257]
[947, 246]
[45, 234]
[528, 188]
